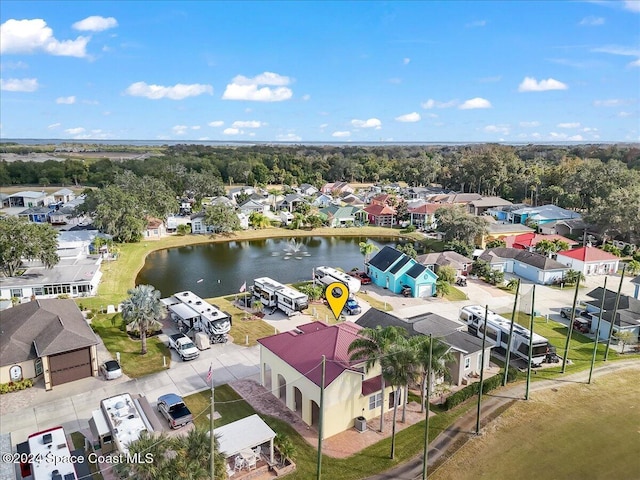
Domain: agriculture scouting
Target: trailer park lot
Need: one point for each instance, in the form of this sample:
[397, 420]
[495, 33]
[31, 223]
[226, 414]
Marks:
[70, 405]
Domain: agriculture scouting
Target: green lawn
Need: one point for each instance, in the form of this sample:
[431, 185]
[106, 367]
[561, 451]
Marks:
[580, 347]
[369, 461]
[374, 302]
[109, 328]
[455, 294]
[575, 432]
[243, 324]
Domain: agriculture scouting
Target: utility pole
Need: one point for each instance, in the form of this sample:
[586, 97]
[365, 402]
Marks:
[595, 343]
[508, 354]
[484, 339]
[613, 316]
[212, 438]
[533, 312]
[570, 327]
[321, 419]
[425, 456]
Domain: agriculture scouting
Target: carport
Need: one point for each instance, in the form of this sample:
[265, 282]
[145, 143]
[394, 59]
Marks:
[245, 434]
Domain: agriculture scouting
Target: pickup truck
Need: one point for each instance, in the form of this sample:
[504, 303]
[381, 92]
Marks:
[565, 312]
[174, 410]
[184, 346]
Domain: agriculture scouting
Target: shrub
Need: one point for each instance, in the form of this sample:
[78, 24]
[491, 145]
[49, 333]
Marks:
[15, 386]
[408, 229]
[469, 391]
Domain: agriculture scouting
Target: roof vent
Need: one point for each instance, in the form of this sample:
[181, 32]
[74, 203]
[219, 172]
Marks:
[47, 438]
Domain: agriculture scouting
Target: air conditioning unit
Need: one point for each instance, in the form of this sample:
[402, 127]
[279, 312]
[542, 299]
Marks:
[361, 424]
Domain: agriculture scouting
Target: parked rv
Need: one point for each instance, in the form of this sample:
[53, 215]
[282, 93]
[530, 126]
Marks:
[194, 315]
[276, 295]
[329, 275]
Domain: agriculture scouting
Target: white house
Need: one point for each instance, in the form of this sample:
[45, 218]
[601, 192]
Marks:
[528, 265]
[590, 261]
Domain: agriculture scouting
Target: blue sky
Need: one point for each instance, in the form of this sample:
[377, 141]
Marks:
[511, 71]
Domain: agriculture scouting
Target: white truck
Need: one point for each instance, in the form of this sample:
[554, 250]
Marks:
[184, 346]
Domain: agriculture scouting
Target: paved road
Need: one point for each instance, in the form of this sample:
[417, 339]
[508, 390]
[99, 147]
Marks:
[464, 427]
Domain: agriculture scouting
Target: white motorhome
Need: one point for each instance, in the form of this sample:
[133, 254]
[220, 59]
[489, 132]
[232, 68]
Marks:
[197, 315]
[329, 275]
[51, 455]
[275, 294]
[126, 421]
[498, 333]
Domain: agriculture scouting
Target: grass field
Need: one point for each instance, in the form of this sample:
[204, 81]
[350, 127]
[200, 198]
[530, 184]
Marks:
[576, 432]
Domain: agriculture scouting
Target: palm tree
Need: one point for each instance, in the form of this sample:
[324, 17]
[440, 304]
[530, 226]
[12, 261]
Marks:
[142, 310]
[367, 249]
[147, 444]
[440, 356]
[257, 305]
[512, 284]
[633, 267]
[398, 368]
[442, 287]
[259, 220]
[193, 456]
[286, 448]
[370, 347]
[545, 247]
[571, 277]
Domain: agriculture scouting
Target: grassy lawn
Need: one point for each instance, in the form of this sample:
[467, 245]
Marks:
[455, 294]
[109, 328]
[243, 324]
[369, 461]
[576, 432]
[580, 347]
[374, 302]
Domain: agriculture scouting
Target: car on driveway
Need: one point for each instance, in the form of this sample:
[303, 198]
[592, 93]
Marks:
[173, 409]
[352, 307]
[111, 370]
[565, 312]
[363, 277]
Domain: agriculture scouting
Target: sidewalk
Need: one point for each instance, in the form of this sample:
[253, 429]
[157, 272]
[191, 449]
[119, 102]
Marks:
[458, 433]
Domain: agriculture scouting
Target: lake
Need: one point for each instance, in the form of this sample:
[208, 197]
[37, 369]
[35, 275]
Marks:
[221, 268]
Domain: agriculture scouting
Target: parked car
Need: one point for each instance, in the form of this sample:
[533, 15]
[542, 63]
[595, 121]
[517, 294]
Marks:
[582, 325]
[406, 291]
[565, 312]
[352, 307]
[363, 277]
[184, 346]
[172, 407]
[111, 370]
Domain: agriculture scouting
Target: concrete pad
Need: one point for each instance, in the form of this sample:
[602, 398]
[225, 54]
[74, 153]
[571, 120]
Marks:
[12, 423]
[58, 409]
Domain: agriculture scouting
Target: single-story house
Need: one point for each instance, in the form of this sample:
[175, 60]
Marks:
[433, 261]
[63, 195]
[590, 261]
[466, 348]
[322, 200]
[540, 215]
[340, 216]
[154, 230]
[235, 191]
[290, 202]
[479, 207]
[78, 243]
[208, 201]
[250, 206]
[36, 214]
[49, 338]
[392, 269]
[456, 198]
[380, 215]
[627, 316]
[289, 368]
[500, 213]
[351, 199]
[307, 189]
[531, 266]
[528, 241]
[574, 226]
[77, 276]
[337, 187]
[29, 199]
[173, 221]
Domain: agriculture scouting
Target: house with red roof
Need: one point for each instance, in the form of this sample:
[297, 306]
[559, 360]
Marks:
[423, 216]
[590, 261]
[528, 241]
[290, 367]
[380, 215]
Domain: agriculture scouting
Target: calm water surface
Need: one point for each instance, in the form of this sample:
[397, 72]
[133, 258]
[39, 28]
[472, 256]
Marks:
[215, 269]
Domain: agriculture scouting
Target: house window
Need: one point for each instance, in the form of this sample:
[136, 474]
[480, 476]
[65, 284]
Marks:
[393, 396]
[375, 401]
[16, 292]
[38, 365]
[467, 363]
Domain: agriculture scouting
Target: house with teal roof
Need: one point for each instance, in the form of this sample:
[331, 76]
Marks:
[394, 270]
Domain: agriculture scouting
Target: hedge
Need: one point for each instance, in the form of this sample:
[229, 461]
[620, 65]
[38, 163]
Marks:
[469, 391]
[15, 386]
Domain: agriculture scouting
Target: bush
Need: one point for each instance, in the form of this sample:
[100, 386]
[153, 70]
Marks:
[409, 229]
[469, 391]
[15, 386]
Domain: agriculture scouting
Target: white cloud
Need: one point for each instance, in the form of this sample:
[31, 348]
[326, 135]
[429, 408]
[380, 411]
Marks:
[431, 103]
[324, 125]
[529, 124]
[568, 125]
[501, 129]
[274, 89]
[620, 50]
[475, 103]
[632, 5]
[216, 123]
[369, 123]
[591, 21]
[409, 117]
[177, 92]
[232, 131]
[624, 114]
[31, 36]
[19, 84]
[75, 131]
[406, 61]
[248, 124]
[66, 100]
[612, 102]
[95, 23]
[306, 98]
[635, 63]
[179, 129]
[576, 138]
[343, 134]
[477, 23]
[289, 137]
[589, 129]
[395, 80]
[195, 127]
[530, 84]
[53, 125]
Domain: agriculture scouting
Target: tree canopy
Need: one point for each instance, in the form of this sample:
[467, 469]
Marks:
[22, 240]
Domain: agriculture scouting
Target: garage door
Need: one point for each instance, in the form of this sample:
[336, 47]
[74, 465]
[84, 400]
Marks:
[425, 290]
[70, 366]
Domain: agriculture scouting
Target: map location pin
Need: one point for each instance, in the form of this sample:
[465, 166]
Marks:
[337, 294]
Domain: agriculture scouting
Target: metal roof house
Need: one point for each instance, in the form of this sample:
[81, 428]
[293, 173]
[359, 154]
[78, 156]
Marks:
[394, 270]
[528, 265]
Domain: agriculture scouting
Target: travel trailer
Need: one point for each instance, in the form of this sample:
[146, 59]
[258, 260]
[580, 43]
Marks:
[329, 275]
[196, 315]
[275, 294]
